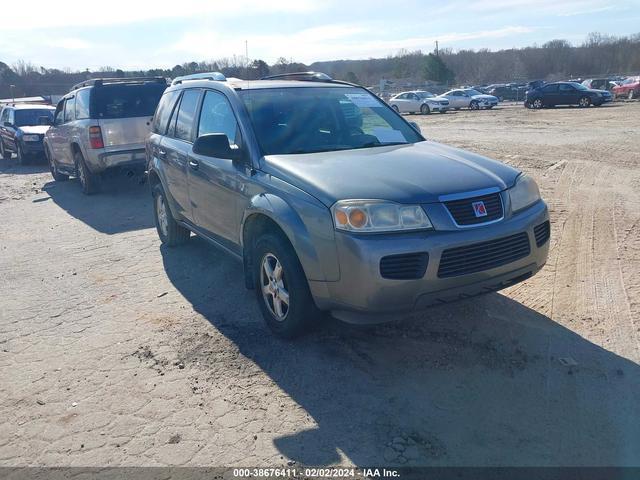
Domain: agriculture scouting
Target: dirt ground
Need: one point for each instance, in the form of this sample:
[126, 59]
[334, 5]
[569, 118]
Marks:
[117, 351]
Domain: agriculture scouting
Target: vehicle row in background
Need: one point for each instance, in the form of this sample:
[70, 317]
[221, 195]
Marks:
[22, 129]
[419, 101]
[566, 93]
[102, 124]
[629, 88]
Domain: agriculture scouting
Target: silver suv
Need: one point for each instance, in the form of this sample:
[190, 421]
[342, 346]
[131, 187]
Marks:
[99, 125]
[334, 202]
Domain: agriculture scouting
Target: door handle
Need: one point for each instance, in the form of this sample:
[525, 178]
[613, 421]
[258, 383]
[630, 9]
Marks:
[162, 154]
[194, 164]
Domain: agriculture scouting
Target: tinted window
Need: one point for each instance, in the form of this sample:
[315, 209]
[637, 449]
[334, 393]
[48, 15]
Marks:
[126, 100]
[566, 88]
[69, 110]
[59, 117]
[314, 119]
[82, 103]
[217, 117]
[550, 88]
[186, 114]
[36, 116]
[163, 112]
[5, 115]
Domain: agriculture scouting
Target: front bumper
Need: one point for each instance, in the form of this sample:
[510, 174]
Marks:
[32, 148]
[438, 108]
[362, 295]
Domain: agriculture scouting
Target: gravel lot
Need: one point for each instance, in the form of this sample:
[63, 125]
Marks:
[117, 351]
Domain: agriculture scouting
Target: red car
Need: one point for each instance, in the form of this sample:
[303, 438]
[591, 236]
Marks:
[630, 88]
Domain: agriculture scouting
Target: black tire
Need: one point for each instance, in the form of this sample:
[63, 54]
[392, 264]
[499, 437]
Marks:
[20, 155]
[171, 233]
[474, 105]
[537, 104]
[5, 154]
[584, 102]
[89, 181]
[395, 107]
[457, 108]
[425, 110]
[53, 167]
[300, 313]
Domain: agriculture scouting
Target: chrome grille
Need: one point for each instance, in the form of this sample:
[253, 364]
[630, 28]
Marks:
[463, 213]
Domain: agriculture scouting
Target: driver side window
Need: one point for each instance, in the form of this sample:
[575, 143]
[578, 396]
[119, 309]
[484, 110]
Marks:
[217, 116]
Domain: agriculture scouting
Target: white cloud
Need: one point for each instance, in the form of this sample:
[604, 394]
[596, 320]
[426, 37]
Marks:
[67, 13]
[70, 43]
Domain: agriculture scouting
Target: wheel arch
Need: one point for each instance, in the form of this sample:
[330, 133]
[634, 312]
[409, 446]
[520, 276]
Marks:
[269, 212]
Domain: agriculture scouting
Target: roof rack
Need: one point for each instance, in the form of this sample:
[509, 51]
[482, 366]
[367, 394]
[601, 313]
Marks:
[102, 81]
[215, 76]
[302, 76]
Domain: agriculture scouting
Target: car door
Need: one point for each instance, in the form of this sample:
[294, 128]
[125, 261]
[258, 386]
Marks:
[174, 151]
[401, 102]
[54, 134]
[216, 184]
[5, 130]
[567, 94]
[413, 102]
[550, 95]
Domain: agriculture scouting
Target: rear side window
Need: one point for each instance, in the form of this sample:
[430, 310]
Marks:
[186, 114]
[126, 100]
[550, 88]
[70, 110]
[82, 103]
[163, 112]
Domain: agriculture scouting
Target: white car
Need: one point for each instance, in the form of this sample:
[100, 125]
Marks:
[470, 98]
[418, 101]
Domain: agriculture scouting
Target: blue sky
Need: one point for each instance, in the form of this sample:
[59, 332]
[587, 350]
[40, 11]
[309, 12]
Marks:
[133, 34]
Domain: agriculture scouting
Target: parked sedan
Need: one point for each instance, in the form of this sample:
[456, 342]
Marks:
[566, 93]
[470, 98]
[629, 88]
[22, 128]
[418, 101]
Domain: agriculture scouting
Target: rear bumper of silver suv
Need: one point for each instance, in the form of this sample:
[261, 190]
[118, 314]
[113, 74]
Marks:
[103, 160]
[374, 283]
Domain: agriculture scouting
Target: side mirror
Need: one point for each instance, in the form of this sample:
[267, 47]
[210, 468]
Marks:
[215, 145]
[415, 126]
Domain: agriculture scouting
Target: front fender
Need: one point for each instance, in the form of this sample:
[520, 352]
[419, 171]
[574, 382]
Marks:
[309, 228]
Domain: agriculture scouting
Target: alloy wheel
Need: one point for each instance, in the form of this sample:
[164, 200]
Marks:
[161, 212]
[274, 287]
[584, 102]
[537, 103]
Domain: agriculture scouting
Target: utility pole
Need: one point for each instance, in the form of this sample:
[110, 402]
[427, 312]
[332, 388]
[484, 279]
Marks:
[437, 48]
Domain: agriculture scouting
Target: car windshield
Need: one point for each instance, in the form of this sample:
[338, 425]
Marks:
[471, 91]
[323, 119]
[126, 100]
[425, 94]
[31, 117]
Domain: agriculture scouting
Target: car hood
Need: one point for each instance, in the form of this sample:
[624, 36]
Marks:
[31, 129]
[484, 97]
[413, 173]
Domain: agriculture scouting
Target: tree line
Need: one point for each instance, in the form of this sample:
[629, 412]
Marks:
[558, 59]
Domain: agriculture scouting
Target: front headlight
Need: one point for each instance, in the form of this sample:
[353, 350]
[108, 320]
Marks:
[30, 138]
[524, 193]
[370, 216]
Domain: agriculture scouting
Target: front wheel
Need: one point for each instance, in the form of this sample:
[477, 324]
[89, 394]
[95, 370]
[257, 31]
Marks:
[5, 155]
[20, 155]
[281, 287]
[537, 104]
[424, 109]
[584, 102]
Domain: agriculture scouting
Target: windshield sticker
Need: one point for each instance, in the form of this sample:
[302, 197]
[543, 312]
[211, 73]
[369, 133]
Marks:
[389, 135]
[363, 100]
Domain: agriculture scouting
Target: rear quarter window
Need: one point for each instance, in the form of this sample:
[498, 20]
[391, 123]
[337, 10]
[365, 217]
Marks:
[125, 100]
[163, 112]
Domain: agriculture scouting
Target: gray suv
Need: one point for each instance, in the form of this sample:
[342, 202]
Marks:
[334, 202]
[102, 124]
